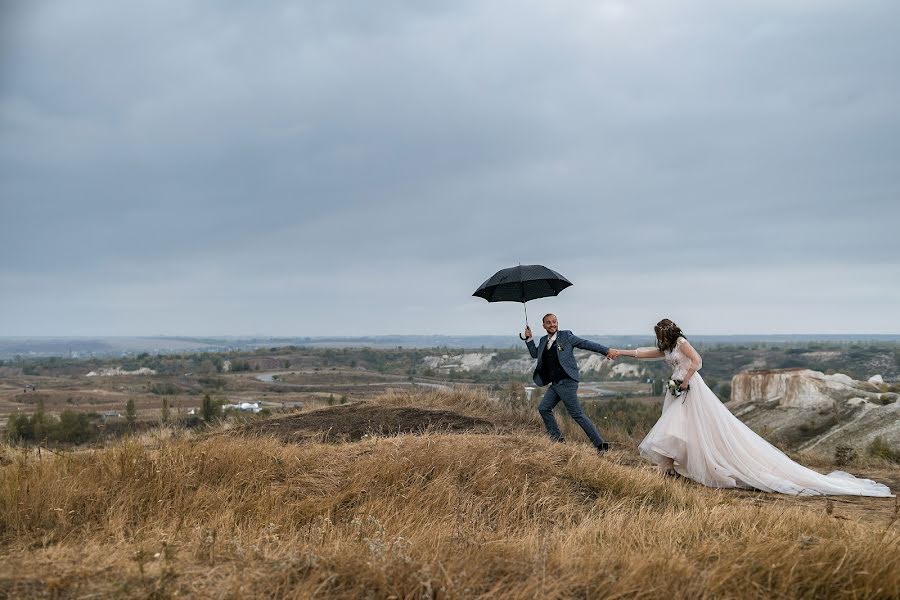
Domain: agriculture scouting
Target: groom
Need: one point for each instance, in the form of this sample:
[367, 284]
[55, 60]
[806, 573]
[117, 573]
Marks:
[556, 366]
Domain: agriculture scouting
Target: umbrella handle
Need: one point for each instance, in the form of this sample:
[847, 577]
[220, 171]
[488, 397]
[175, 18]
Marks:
[522, 337]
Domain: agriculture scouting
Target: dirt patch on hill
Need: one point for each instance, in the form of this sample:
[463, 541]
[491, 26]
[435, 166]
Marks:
[351, 422]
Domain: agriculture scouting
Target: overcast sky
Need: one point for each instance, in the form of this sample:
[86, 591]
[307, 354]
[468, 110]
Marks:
[350, 168]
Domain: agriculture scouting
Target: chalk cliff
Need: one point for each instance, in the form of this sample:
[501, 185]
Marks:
[805, 409]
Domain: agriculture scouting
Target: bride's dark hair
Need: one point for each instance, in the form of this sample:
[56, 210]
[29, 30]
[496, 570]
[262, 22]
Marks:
[667, 334]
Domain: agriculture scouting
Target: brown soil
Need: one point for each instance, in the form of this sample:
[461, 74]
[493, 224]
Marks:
[350, 422]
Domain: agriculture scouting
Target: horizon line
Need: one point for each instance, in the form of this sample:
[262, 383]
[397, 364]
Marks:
[389, 335]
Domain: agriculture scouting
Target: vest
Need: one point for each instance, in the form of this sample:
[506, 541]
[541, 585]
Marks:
[551, 370]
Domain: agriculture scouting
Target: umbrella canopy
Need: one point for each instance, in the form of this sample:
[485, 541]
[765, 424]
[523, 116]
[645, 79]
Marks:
[521, 284]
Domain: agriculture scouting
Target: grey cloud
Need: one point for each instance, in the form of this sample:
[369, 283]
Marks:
[142, 144]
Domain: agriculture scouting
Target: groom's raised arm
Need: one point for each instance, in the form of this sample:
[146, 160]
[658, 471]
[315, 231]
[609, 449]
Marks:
[588, 345]
[529, 341]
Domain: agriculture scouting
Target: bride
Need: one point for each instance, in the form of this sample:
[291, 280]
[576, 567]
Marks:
[697, 436]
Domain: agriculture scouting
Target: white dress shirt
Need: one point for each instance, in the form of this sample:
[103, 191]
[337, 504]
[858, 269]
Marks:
[550, 340]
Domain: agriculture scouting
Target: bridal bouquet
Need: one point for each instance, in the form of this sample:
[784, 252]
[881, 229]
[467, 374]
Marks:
[674, 386]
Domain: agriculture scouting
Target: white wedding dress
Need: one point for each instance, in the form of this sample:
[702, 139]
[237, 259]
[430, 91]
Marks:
[711, 446]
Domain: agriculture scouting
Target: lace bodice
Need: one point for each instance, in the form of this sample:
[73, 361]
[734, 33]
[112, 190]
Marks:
[677, 359]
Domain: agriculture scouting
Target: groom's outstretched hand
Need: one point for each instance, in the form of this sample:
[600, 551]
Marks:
[612, 354]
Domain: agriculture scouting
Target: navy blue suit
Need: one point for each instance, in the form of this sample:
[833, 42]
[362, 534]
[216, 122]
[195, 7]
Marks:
[566, 387]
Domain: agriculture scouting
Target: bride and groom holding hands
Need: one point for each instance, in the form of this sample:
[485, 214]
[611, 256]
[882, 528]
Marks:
[696, 436]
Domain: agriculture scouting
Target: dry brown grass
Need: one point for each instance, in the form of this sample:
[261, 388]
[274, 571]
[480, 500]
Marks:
[472, 402]
[508, 514]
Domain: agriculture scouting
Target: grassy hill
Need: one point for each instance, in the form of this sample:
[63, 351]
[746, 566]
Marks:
[429, 513]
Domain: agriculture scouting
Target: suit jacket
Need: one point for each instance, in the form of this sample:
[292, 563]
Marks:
[566, 342]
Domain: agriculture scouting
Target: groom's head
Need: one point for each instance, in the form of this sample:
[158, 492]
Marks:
[550, 324]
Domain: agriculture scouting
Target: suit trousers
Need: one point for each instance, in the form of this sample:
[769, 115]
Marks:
[567, 391]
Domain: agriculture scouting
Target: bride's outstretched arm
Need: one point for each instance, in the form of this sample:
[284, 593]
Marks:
[647, 353]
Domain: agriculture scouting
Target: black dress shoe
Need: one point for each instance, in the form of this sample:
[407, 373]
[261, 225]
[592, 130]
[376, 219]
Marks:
[604, 447]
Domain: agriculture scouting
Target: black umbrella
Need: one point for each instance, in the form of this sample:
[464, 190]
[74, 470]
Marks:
[521, 284]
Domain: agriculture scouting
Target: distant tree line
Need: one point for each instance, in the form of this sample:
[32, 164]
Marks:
[69, 428]
[721, 361]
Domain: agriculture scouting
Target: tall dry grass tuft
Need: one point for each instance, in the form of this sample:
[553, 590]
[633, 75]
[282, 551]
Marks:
[456, 516]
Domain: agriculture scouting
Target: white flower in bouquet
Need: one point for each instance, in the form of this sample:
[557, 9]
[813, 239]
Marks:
[674, 386]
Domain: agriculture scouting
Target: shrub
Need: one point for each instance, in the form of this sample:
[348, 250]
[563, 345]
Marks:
[72, 428]
[622, 414]
[724, 392]
[844, 455]
[164, 389]
[210, 408]
[217, 383]
[881, 449]
[130, 411]
[515, 393]
[888, 398]
[18, 428]
[165, 413]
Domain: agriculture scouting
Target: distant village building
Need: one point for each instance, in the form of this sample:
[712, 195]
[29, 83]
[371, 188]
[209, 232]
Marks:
[253, 407]
[119, 371]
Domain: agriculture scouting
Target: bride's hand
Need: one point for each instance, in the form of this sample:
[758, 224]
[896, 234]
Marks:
[685, 385]
[612, 354]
